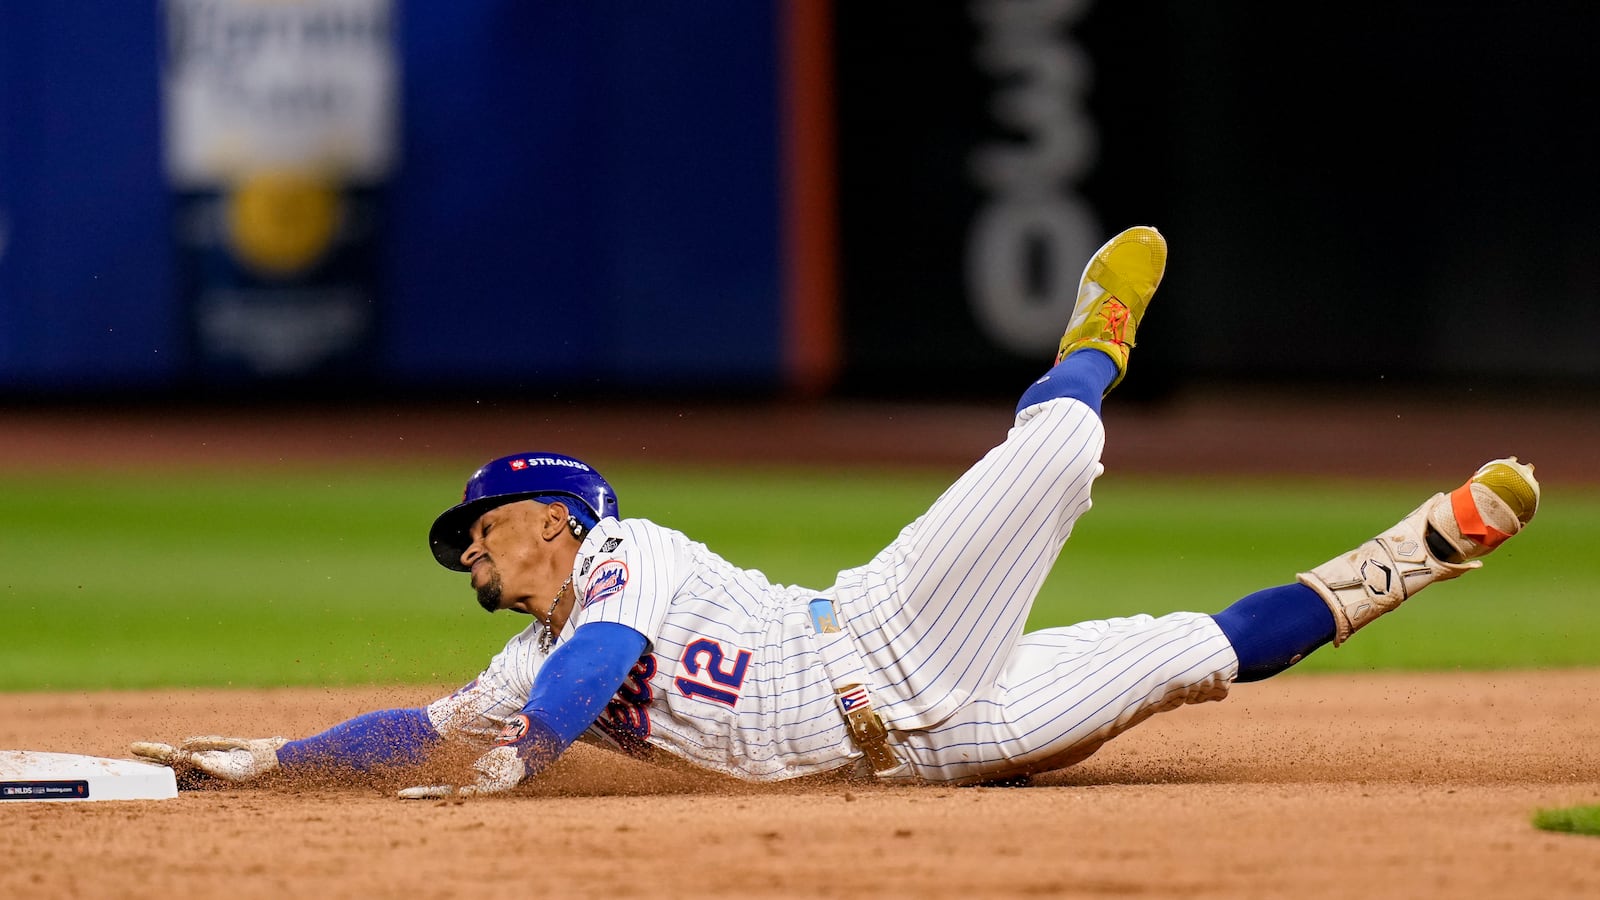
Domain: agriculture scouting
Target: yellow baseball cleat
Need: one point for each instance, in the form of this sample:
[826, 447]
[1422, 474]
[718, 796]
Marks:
[1115, 289]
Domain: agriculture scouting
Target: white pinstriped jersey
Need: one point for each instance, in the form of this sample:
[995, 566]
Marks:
[733, 680]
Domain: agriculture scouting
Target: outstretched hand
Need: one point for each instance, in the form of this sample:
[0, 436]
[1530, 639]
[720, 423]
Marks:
[499, 770]
[230, 759]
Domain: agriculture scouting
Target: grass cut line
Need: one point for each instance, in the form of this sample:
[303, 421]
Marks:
[1573, 820]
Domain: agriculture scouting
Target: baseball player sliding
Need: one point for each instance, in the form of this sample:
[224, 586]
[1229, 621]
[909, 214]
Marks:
[911, 666]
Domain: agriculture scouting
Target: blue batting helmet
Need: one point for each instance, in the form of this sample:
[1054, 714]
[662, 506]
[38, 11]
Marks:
[546, 477]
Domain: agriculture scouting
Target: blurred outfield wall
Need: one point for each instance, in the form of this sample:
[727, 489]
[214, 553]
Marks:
[780, 196]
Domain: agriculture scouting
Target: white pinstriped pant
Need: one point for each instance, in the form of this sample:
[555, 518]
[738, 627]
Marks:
[938, 618]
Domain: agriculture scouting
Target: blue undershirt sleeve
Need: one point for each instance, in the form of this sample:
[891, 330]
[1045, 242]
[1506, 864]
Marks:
[383, 738]
[573, 688]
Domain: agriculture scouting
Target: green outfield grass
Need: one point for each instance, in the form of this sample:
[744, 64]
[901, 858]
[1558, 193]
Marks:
[285, 576]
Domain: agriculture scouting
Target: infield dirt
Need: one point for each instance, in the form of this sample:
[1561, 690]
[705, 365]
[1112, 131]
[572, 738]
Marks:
[1382, 786]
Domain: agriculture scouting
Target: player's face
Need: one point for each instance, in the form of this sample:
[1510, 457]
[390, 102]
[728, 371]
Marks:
[507, 557]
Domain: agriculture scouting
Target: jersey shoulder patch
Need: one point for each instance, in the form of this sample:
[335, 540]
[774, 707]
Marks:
[609, 578]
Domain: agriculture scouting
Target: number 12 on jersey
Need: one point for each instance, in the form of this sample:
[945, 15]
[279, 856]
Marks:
[705, 658]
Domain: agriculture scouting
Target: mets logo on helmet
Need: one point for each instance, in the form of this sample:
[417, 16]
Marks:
[609, 578]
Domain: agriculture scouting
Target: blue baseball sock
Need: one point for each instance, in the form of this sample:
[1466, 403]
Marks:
[1084, 375]
[1273, 629]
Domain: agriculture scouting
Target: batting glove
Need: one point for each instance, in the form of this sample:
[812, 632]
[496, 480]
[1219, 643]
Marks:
[525, 746]
[230, 759]
[499, 770]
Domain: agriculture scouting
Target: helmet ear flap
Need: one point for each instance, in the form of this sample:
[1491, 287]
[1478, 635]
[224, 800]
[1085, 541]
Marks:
[576, 527]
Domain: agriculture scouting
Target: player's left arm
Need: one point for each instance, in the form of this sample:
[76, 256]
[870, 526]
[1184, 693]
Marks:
[571, 691]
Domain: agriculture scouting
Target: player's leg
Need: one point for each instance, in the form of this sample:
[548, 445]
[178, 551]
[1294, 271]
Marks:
[1441, 539]
[1066, 691]
[937, 612]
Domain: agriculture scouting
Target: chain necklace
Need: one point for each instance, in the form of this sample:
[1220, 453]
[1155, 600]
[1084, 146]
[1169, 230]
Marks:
[548, 639]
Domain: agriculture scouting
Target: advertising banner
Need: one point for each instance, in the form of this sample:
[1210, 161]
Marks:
[280, 137]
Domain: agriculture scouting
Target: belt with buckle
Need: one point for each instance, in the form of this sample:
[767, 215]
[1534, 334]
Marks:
[851, 690]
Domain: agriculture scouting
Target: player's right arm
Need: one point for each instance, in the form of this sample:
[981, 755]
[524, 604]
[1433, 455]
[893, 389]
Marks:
[476, 713]
[385, 737]
[569, 694]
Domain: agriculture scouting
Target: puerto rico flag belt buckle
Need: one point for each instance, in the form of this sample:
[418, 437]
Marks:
[869, 733]
[846, 673]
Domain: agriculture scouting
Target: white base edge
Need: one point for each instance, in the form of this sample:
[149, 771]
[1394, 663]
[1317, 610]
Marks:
[39, 776]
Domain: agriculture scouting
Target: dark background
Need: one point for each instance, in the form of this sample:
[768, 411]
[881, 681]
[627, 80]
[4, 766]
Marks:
[1378, 193]
[590, 201]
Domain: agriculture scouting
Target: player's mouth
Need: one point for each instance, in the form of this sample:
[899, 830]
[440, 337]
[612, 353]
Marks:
[482, 572]
[487, 586]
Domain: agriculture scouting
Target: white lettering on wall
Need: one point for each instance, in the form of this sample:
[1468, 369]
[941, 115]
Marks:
[1032, 233]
